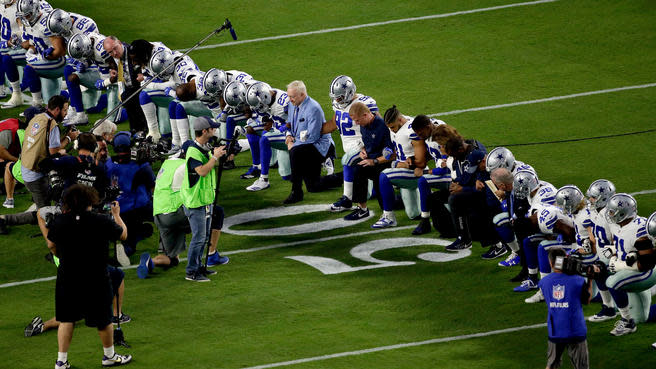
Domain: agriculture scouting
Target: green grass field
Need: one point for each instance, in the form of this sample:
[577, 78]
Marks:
[265, 308]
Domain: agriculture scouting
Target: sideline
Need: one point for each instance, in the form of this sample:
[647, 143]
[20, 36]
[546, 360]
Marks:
[402, 345]
[375, 24]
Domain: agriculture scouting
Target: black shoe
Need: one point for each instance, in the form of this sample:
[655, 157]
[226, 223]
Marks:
[495, 251]
[357, 214]
[293, 198]
[3, 226]
[423, 227]
[206, 272]
[522, 275]
[459, 244]
[229, 165]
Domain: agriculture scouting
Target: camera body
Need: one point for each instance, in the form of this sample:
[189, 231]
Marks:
[144, 150]
[573, 264]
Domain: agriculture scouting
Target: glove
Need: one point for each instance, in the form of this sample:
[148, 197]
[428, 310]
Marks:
[387, 153]
[100, 84]
[631, 258]
[586, 246]
[607, 252]
[170, 92]
[47, 52]
[15, 41]
[4, 45]
[612, 265]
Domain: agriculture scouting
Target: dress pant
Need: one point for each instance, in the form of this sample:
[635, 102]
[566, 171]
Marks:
[360, 185]
[135, 114]
[306, 167]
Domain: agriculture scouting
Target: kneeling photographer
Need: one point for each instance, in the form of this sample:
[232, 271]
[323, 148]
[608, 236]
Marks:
[65, 171]
[564, 292]
[136, 182]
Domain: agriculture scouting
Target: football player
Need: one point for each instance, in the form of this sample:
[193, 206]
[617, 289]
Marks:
[67, 25]
[410, 153]
[343, 94]
[650, 257]
[631, 257]
[598, 194]
[501, 157]
[11, 47]
[270, 104]
[438, 177]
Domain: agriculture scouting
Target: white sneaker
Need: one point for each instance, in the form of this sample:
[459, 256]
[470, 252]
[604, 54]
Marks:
[31, 208]
[121, 256]
[385, 222]
[9, 203]
[538, 297]
[62, 365]
[624, 326]
[258, 185]
[116, 360]
[15, 101]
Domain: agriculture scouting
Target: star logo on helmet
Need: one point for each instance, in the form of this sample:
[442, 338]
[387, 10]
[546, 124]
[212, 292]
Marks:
[601, 190]
[500, 156]
[520, 181]
[257, 93]
[620, 204]
[344, 85]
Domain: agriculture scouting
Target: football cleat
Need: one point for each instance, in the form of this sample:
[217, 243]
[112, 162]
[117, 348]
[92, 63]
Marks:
[606, 313]
[344, 203]
[3, 92]
[251, 173]
[511, 260]
[357, 214]
[258, 185]
[116, 360]
[624, 326]
[527, 285]
[35, 327]
[535, 298]
[145, 266]
[122, 256]
[15, 101]
[385, 221]
[328, 166]
[495, 251]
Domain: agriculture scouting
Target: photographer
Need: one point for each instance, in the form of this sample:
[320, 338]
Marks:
[136, 182]
[198, 193]
[564, 295]
[80, 238]
[42, 140]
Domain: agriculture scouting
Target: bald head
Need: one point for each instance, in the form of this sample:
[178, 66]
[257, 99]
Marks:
[113, 46]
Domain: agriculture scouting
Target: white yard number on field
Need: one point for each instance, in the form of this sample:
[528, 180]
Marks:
[365, 251]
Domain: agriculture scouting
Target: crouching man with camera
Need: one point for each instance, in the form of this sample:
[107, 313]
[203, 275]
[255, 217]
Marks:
[564, 295]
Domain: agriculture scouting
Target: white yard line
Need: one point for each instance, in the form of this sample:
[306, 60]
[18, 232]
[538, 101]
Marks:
[547, 99]
[399, 346]
[375, 24]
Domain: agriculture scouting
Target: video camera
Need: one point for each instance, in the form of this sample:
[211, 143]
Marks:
[573, 264]
[111, 194]
[232, 145]
[143, 149]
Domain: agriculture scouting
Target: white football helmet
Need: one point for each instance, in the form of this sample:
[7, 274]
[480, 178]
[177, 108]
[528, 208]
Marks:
[28, 11]
[651, 227]
[259, 97]
[600, 192]
[214, 82]
[499, 157]
[160, 61]
[342, 91]
[6, 2]
[620, 207]
[568, 198]
[525, 182]
[79, 46]
[59, 23]
[234, 94]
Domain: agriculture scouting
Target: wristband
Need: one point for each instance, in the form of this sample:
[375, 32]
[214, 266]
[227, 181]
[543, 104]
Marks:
[215, 158]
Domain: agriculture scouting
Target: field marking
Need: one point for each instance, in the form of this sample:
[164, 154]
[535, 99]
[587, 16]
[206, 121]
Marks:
[375, 24]
[242, 251]
[399, 346]
[642, 192]
[547, 99]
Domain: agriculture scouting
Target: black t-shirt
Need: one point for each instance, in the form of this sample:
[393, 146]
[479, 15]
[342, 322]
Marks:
[82, 243]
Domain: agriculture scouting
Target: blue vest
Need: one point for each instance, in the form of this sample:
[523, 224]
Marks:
[123, 176]
[565, 319]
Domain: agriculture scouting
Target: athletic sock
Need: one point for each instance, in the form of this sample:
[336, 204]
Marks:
[62, 356]
[625, 312]
[514, 246]
[606, 298]
[109, 351]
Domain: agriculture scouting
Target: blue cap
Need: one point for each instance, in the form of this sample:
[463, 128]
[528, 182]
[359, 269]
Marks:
[122, 139]
[201, 123]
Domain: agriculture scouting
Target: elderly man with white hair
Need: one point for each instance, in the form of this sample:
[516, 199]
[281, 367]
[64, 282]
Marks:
[307, 146]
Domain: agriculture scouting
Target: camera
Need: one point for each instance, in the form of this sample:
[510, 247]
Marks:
[111, 194]
[232, 146]
[56, 184]
[573, 264]
[145, 150]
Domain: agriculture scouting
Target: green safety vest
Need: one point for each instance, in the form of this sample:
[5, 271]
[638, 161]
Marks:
[16, 169]
[202, 193]
[165, 200]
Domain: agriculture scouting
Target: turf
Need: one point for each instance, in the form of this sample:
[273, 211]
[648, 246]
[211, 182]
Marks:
[264, 307]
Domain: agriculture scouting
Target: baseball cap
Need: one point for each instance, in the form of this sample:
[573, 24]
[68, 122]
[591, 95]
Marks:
[122, 139]
[201, 123]
[30, 112]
